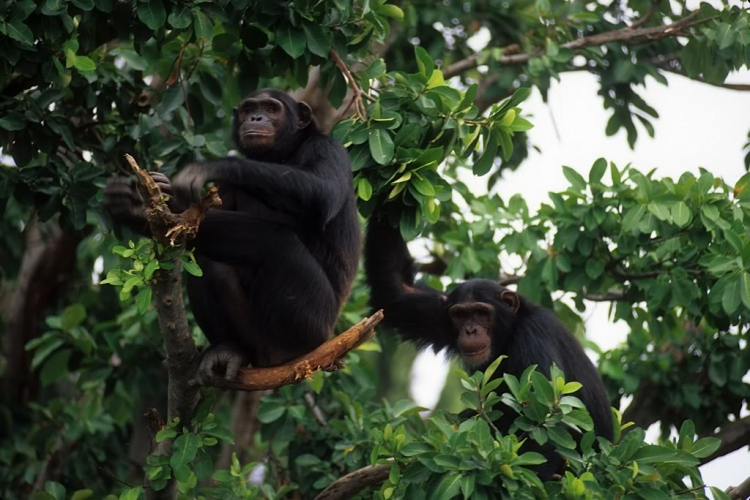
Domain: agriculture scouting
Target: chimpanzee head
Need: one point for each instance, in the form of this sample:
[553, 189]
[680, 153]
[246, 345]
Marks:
[482, 314]
[267, 124]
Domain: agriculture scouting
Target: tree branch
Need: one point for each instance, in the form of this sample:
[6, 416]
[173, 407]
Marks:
[326, 357]
[628, 35]
[347, 486]
[733, 436]
[357, 93]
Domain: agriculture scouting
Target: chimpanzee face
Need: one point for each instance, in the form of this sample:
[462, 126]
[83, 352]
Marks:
[267, 122]
[475, 324]
[260, 119]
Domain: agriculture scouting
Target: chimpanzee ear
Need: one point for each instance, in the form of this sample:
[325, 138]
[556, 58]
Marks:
[305, 114]
[511, 300]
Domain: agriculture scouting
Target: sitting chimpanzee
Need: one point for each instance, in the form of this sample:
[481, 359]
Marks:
[479, 320]
[279, 256]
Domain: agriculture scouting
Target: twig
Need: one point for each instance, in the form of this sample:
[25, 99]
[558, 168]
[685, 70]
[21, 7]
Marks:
[628, 35]
[740, 492]
[640, 22]
[357, 93]
[326, 357]
[107, 473]
[315, 409]
[347, 486]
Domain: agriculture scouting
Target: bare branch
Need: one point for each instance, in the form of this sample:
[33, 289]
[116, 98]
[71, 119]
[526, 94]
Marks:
[347, 486]
[326, 357]
[628, 35]
[357, 93]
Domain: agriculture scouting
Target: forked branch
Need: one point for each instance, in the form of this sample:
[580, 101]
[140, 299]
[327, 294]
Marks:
[327, 357]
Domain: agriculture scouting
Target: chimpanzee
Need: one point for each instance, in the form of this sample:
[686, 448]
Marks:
[280, 255]
[479, 320]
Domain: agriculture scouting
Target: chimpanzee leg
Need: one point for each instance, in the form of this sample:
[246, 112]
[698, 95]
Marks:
[290, 299]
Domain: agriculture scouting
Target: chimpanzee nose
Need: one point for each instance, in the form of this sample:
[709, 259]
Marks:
[471, 330]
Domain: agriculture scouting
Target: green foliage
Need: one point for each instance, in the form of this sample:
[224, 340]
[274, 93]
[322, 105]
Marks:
[473, 459]
[84, 82]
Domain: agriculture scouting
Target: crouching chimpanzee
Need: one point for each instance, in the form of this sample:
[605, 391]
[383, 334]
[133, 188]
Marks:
[478, 321]
[279, 256]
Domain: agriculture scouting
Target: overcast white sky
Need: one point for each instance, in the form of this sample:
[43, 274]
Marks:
[699, 126]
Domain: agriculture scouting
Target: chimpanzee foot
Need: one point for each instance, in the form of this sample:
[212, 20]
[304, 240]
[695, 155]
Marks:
[222, 361]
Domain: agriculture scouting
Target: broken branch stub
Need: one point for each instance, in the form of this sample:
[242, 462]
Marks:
[326, 357]
[167, 227]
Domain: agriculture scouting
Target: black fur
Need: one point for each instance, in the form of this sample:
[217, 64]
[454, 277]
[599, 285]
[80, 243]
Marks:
[280, 255]
[532, 336]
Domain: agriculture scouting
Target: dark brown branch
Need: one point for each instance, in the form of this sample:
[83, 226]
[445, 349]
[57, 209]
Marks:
[740, 492]
[357, 93]
[347, 486]
[326, 357]
[628, 35]
[610, 296]
[733, 436]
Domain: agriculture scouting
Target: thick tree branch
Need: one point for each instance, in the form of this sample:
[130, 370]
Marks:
[629, 35]
[326, 357]
[733, 436]
[347, 486]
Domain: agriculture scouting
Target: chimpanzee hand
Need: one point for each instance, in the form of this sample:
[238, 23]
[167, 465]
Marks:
[189, 182]
[123, 202]
[221, 360]
[166, 188]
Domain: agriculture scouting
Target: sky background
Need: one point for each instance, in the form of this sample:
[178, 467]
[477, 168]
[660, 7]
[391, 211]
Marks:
[698, 126]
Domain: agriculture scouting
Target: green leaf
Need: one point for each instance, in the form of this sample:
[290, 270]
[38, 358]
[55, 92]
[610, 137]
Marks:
[166, 433]
[681, 214]
[291, 39]
[270, 412]
[12, 122]
[82, 495]
[725, 35]
[317, 39]
[705, 447]
[381, 146]
[203, 26]
[143, 299]
[203, 465]
[83, 63]
[72, 316]
[745, 288]
[85, 5]
[448, 487]
[424, 61]
[561, 437]
[180, 17]
[633, 218]
[597, 170]
[184, 450]
[485, 162]
[576, 180]
[529, 458]
[152, 14]
[132, 493]
[222, 433]
[730, 300]
[56, 367]
[192, 268]
[391, 11]
[659, 210]
[364, 189]
[423, 185]
[17, 30]
[594, 268]
[711, 212]
[571, 387]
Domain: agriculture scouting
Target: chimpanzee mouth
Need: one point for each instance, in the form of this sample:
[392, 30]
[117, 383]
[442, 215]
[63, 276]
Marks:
[255, 133]
[475, 354]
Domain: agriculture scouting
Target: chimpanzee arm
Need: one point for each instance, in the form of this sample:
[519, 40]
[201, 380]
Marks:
[317, 181]
[418, 312]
